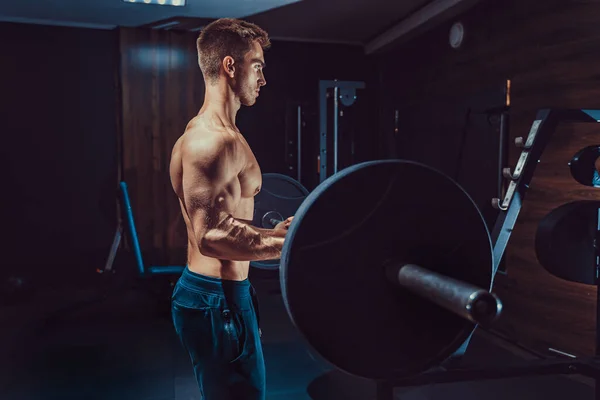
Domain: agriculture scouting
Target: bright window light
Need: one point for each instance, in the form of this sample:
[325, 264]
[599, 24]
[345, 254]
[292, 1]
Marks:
[177, 3]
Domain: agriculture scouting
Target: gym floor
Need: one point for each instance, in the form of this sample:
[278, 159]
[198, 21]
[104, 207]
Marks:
[121, 346]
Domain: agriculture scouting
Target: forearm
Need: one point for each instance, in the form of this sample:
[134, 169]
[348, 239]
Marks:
[235, 240]
[269, 232]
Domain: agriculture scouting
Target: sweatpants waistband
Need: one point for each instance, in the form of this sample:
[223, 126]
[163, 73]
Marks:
[215, 286]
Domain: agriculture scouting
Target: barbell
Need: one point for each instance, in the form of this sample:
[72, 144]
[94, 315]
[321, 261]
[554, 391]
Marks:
[387, 269]
[279, 197]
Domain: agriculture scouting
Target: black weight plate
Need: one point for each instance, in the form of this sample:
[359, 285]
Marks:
[564, 241]
[279, 195]
[333, 283]
[582, 165]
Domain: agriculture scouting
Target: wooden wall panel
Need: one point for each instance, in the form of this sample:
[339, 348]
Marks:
[549, 52]
[542, 310]
[162, 89]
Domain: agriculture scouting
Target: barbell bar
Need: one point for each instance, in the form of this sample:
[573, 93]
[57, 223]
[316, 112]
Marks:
[465, 300]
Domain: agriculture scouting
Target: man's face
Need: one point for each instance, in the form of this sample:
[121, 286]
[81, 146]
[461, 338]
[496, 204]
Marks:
[250, 76]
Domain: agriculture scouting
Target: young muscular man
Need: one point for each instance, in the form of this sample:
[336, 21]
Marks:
[216, 176]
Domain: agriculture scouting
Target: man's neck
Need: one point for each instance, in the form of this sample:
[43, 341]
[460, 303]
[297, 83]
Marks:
[220, 101]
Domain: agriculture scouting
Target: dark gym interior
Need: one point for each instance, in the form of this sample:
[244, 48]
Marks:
[95, 95]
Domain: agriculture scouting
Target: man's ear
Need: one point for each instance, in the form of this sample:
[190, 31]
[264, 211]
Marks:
[228, 66]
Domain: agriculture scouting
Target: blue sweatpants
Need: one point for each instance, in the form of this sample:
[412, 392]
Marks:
[217, 323]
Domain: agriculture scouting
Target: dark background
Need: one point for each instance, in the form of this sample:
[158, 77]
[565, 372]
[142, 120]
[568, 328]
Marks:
[82, 108]
[59, 135]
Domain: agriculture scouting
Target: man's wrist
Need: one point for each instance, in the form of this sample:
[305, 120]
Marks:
[279, 233]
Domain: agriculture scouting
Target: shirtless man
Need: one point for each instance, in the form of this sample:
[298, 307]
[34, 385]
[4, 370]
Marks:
[216, 176]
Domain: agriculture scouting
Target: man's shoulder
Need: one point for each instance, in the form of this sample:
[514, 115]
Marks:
[204, 141]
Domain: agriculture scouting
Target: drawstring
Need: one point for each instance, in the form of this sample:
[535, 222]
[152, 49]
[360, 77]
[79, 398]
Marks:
[256, 307]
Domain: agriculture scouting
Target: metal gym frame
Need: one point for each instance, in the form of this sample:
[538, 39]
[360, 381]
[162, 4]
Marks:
[299, 143]
[143, 271]
[533, 146]
[344, 92]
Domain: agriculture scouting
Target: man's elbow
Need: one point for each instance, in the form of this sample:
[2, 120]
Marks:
[206, 246]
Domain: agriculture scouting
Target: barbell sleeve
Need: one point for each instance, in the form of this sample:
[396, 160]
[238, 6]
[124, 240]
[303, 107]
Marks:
[464, 299]
[274, 221]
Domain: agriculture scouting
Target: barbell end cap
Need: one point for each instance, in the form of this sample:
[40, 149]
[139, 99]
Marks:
[485, 308]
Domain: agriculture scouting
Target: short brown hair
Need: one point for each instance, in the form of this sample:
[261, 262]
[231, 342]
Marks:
[226, 37]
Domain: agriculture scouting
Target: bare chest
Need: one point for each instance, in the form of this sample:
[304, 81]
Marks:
[250, 179]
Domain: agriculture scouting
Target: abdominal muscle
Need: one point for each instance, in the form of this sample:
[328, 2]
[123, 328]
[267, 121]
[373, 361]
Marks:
[214, 267]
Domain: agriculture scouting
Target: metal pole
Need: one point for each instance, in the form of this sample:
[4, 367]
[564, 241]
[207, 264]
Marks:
[462, 298]
[336, 95]
[132, 231]
[597, 249]
[323, 85]
[114, 248]
[299, 144]
[502, 153]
